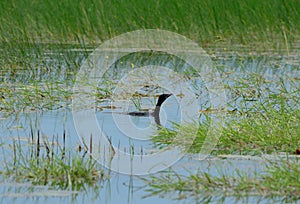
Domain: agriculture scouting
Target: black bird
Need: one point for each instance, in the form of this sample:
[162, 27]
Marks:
[160, 101]
[156, 111]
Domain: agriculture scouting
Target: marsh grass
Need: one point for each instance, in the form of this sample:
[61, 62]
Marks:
[37, 84]
[42, 162]
[262, 113]
[42, 96]
[254, 133]
[262, 118]
[262, 133]
[280, 182]
[38, 96]
[202, 21]
[265, 121]
[38, 66]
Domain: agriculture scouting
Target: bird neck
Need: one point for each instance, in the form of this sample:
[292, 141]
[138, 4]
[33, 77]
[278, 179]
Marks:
[156, 115]
[157, 109]
[160, 101]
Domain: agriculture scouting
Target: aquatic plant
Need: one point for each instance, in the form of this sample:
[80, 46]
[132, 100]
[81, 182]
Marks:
[43, 162]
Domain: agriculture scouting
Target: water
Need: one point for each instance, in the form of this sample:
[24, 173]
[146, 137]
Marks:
[121, 188]
[261, 76]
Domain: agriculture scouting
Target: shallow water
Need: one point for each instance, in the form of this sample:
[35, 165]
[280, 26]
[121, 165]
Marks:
[130, 189]
[121, 188]
[278, 74]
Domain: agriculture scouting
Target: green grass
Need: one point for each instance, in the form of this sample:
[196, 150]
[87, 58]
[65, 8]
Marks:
[30, 30]
[266, 115]
[263, 133]
[37, 71]
[253, 134]
[41, 162]
[207, 22]
[280, 182]
[36, 96]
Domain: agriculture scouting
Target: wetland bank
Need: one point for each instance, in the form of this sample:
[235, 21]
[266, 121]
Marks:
[255, 47]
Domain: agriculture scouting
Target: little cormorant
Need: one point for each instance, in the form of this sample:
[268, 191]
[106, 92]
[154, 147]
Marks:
[155, 113]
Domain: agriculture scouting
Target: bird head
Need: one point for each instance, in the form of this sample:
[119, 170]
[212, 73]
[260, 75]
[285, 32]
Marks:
[162, 98]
